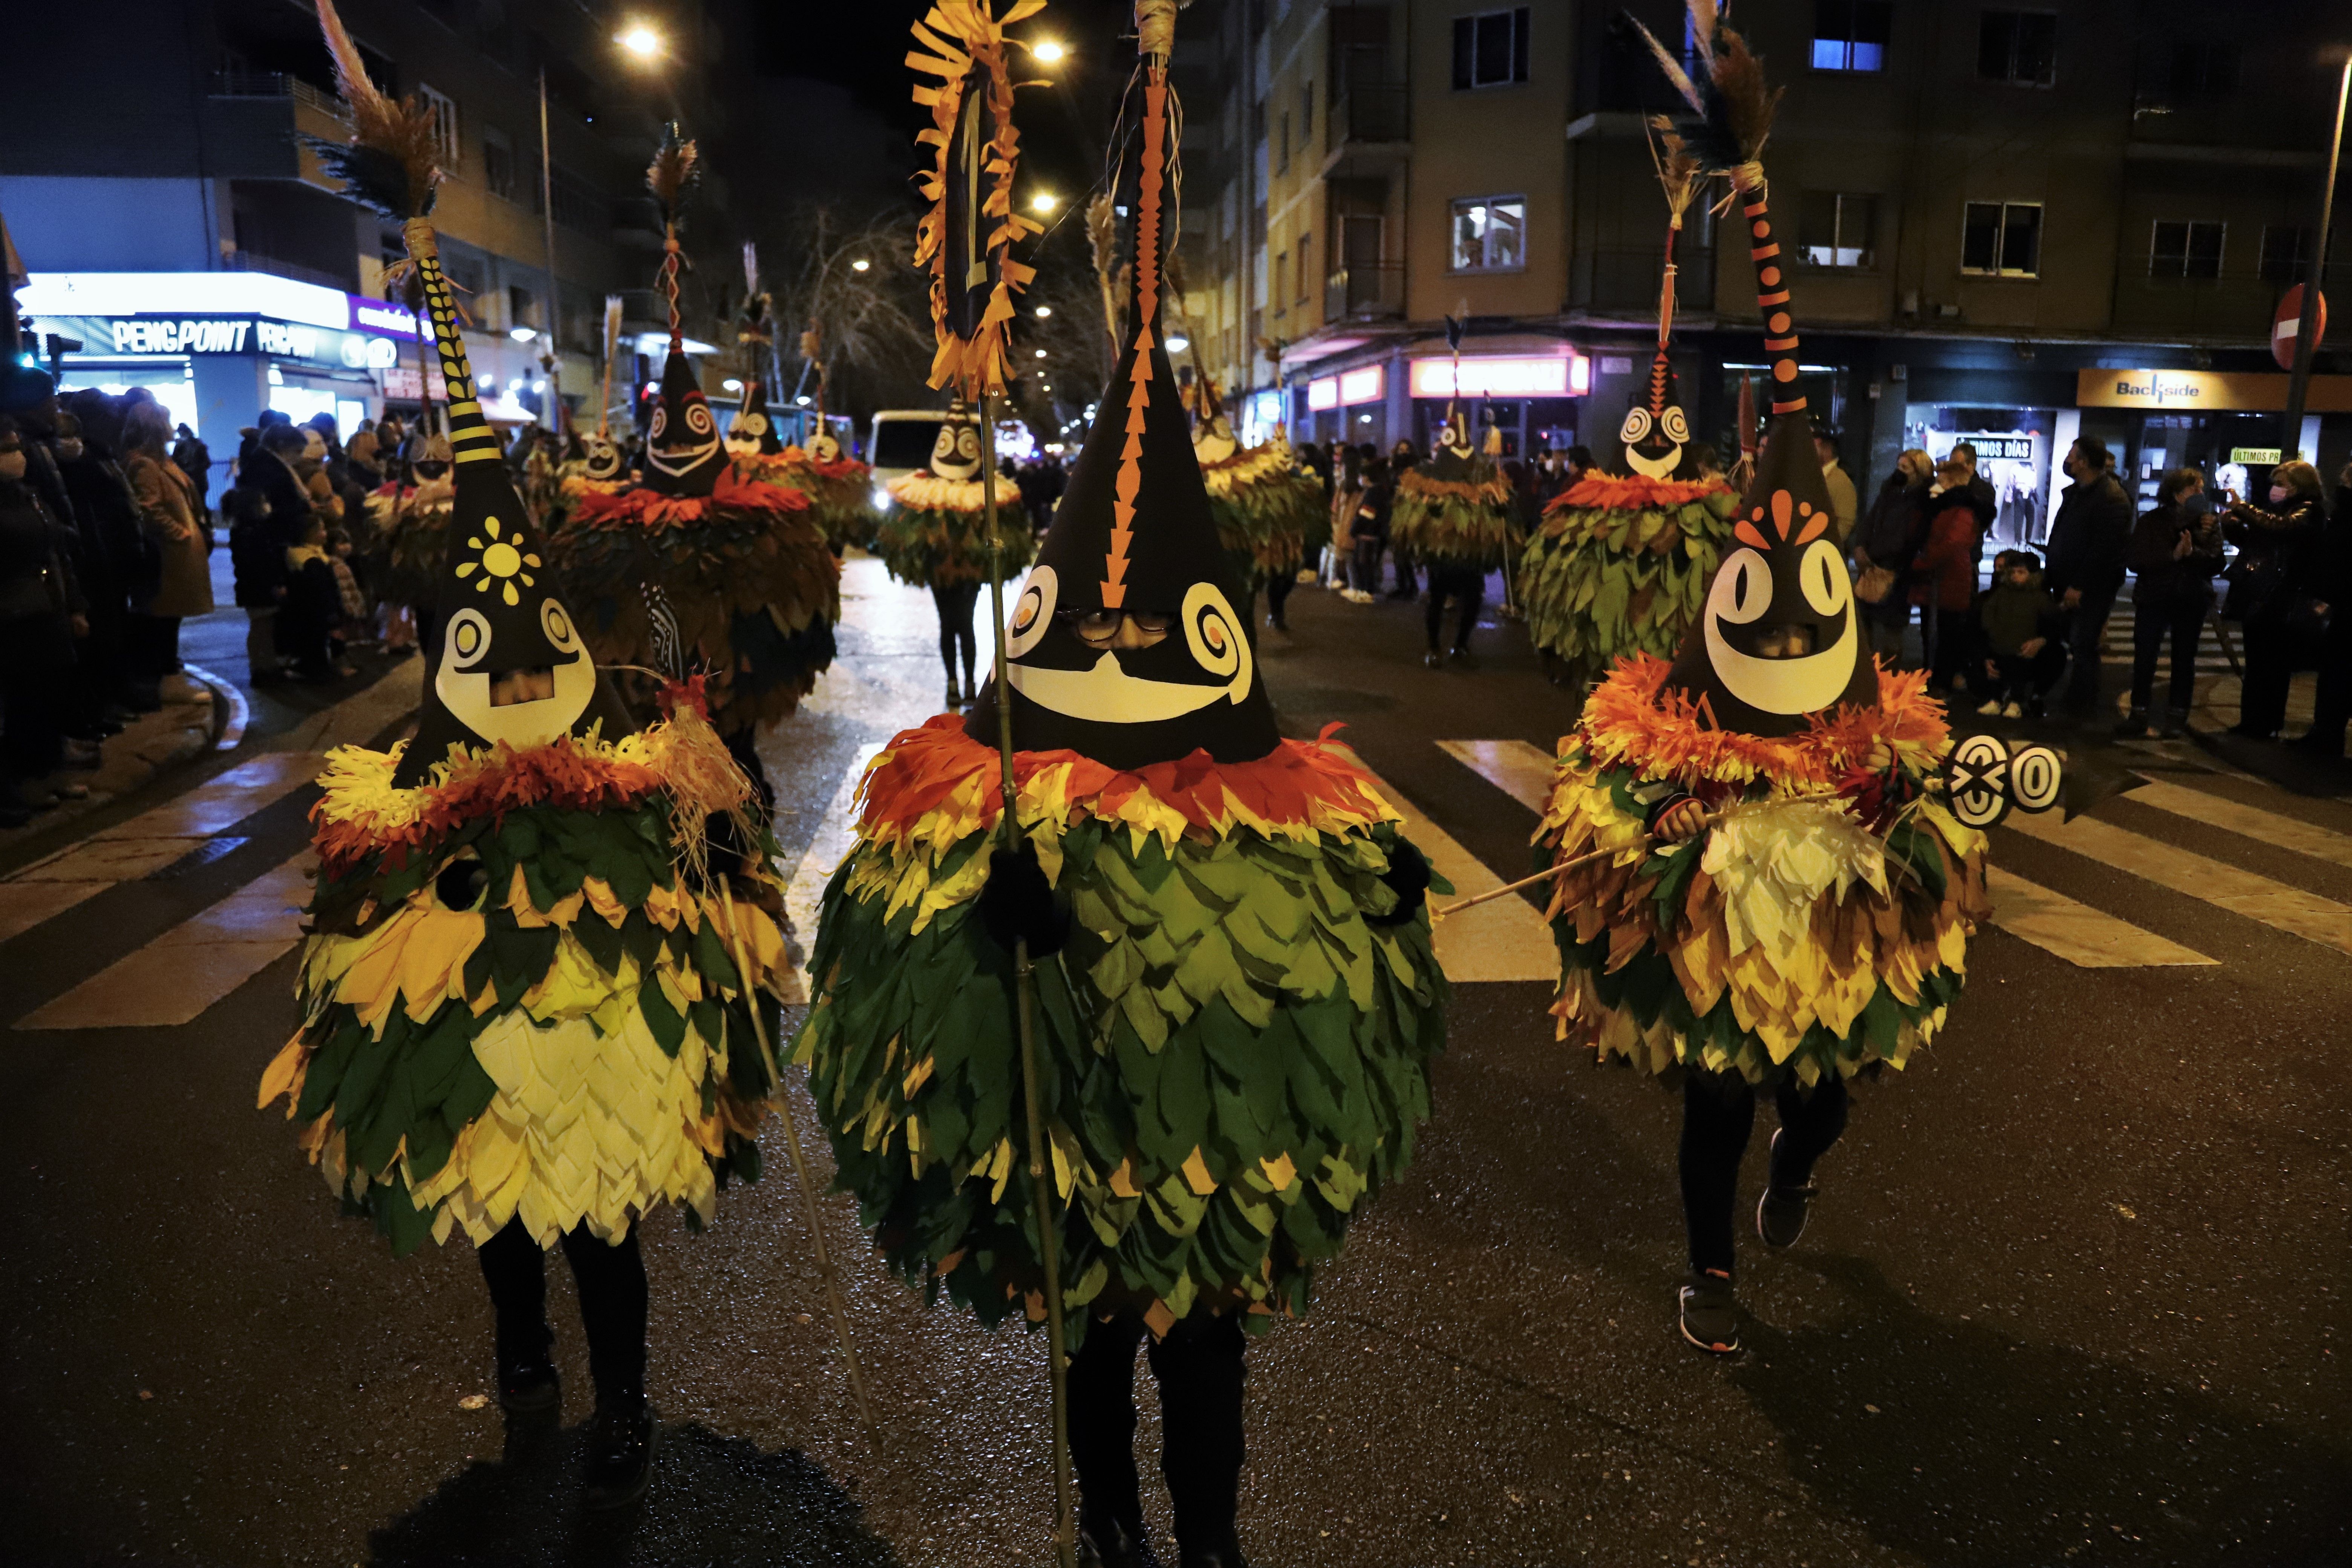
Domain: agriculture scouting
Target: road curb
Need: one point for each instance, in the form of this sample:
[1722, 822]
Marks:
[151, 747]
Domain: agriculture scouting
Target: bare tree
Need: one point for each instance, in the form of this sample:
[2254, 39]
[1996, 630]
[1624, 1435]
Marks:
[874, 321]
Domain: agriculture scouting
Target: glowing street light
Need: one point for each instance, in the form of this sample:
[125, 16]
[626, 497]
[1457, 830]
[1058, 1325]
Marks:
[640, 40]
[522, 334]
[1048, 50]
[860, 265]
[1043, 202]
[1044, 312]
[731, 384]
[1041, 354]
[1178, 343]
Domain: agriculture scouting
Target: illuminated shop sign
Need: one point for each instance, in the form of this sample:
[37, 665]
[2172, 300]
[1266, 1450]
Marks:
[2252, 392]
[1366, 385]
[374, 316]
[1323, 392]
[1547, 375]
[183, 337]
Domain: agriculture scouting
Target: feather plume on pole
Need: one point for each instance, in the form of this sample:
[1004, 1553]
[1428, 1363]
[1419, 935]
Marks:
[676, 164]
[389, 165]
[612, 353]
[1102, 239]
[1732, 108]
[1745, 469]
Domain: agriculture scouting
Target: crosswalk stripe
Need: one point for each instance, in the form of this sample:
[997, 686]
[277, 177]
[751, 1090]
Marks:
[175, 977]
[2250, 822]
[2215, 882]
[2072, 930]
[2050, 920]
[149, 841]
[1504, 940]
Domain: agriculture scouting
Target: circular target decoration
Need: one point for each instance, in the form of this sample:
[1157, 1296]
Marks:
[1976, 780]
[2034, 775]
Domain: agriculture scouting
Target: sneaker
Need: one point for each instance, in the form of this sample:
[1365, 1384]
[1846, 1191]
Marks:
[527, 1384]
[2175, 725]
[1306, 578]
[1108, 1542]
[620, 1456]
[955, 695]
[1780, 1212]
[2134, 725]
[1990, 709]
[2011, 710]
[1432, 659]
[1710, 1316]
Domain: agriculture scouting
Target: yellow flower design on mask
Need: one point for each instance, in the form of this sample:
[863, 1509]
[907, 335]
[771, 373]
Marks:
[501, 561]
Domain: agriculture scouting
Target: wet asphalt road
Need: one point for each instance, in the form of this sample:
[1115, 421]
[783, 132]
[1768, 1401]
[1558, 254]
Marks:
[2071, 1295]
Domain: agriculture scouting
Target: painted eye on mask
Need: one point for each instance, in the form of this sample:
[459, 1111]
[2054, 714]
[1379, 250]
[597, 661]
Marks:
[469, 638]
[462, 884]
[1822, 575]
[1676, 427]
[660, 423]
[1636, 427]
[557, 627]
[968, 446]
[698, 419]
[1750, 592]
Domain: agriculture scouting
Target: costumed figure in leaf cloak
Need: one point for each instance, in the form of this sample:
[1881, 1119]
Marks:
[1235, 1000]
[408, 514]
[1454, 515]
[531, 971]
[840, 488]
[1619, 562]
[740, 561]
[1265, 504]
[935, 536]
[594, 460]
[1761, 884]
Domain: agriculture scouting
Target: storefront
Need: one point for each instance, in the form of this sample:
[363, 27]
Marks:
[1531, 395]
[215, 348]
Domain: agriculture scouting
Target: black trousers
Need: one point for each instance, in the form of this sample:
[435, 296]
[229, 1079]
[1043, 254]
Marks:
[2332, 707]
[1718, 1117]
[1467, 589]
[1199, 1369]
[1404, 563]
[2270, 668]
[2019, 679]
[1278, 594]
[612, 1283]
[956, 602]
[2183, 620]
[743, 745]
[2083, 634]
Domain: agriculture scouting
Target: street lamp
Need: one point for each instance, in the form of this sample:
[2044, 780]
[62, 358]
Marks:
[2298, 381]
[639, 40]
[1041, 354]
[1047, 50]
[522, 334]
[1044, 312]
[1043, 202]
[1178, 343]
[860, 265]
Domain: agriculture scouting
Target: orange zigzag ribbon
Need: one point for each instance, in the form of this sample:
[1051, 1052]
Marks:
[1130, 481]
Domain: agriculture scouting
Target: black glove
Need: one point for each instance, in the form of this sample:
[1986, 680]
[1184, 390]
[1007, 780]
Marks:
[1408, 875]
[1017, 903]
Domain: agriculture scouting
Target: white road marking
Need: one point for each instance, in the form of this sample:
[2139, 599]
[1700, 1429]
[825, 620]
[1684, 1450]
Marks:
[2072, 930]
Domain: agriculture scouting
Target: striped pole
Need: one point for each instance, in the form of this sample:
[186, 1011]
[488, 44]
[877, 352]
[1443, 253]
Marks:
[1771, 290]
[471, 439]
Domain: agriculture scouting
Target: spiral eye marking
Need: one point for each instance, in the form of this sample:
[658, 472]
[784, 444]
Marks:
[1636, 426]
[698, 418]
[660, 421]
[1676, 427]
[1032, 612]
[1212, 634]
[557, 627]
[2034, 775]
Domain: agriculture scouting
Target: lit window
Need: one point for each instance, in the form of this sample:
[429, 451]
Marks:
[2191, 250]
[1490, 233]
[2017, 47]
[2002, 239]
[1835, 229]
[1850, 35]
[1490, 49]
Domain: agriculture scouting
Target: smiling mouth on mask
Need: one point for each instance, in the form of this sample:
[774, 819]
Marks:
[1782, 641]
[533, 685]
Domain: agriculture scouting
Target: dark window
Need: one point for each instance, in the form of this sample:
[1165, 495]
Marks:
[1281, 266]
[2002, 239]
[522, 309]
[1834, 229]
[2191, 250]
[2202, 70]
[1306, 114]
[1304, 258]
[2019, 46]
[1282, 148]
[498, 164]
[2286, 252]
[1850, 35]
[1490, 49]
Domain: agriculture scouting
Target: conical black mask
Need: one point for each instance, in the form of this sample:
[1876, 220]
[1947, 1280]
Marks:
[683, 455]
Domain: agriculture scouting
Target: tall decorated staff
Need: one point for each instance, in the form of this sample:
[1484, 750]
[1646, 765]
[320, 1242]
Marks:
[1454, 515]
[1761, 882]
[739, 560]
[1619, 562]
[532, 984]
[596, 462]
[840, 487]
[1067, 974]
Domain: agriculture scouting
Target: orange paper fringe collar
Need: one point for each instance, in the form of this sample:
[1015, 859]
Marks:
[1636, 492]
[641, 508]
[1628, 723]
[936, 785]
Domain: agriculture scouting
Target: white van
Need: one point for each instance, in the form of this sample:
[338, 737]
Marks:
[900, 443]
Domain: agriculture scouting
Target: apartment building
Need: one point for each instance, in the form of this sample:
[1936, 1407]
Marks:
[2016, 222]
[179, 232]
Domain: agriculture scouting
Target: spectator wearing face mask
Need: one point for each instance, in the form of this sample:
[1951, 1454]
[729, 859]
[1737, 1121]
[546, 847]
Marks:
[2277, 590]
[168, 511]
[40, 607]
[2089, 540]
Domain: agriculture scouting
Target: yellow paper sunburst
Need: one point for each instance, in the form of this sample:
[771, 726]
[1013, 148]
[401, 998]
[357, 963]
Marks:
[501, 561]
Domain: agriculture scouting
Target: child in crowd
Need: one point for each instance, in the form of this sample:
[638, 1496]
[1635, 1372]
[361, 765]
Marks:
[311, 610]
[2023, 658]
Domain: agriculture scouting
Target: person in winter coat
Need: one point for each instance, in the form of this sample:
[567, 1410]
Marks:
[195, 460]
[2284, 548]
[270, 515]
[2176, 548]
[2325, 738]
[1347, 492]
[2088, 541]
[1845, 505]
[2023, 654]
[1885, 545]
[39, 605]
[169, 510]
[1944, 574]
[113, 560]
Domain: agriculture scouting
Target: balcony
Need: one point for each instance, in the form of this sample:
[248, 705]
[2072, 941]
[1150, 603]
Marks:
[1366, 291]
[276, 266]
[276, 84]
[1368, 130]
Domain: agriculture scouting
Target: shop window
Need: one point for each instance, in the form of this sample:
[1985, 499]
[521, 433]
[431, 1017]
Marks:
[1836, 229]
[2017, 47]
[498, 164]
[2190, 250]
[1490, 48]
[1490, 233]
[2286, 252]
[1850, 35]
[2002, 239]
[445, 126]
